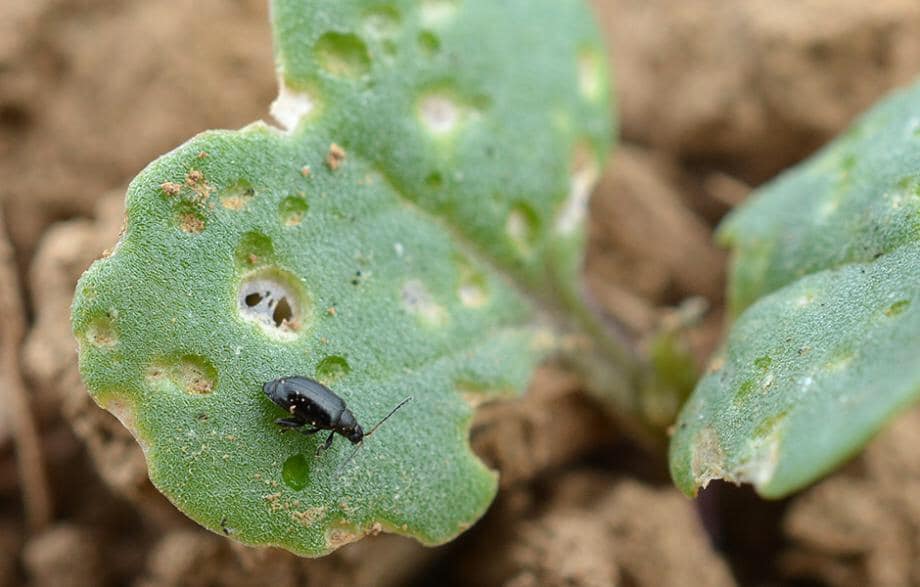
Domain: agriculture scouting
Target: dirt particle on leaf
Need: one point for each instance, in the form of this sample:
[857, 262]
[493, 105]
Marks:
[338, 537]
[335, 157]
[309, 516]
[170, 188]
[202, 154]
[306, 171]
[233, 203]
[290, 325]
[274, 501]
[191, 223]
[193, 178]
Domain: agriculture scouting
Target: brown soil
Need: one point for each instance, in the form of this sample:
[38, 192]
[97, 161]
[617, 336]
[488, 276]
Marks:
[860, 527]
[715, 97]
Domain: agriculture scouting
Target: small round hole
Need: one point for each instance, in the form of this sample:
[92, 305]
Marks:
[332, 368]
[275, 300]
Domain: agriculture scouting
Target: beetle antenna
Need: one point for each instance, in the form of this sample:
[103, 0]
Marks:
[348, 460]
[372, 430]
[385, 418]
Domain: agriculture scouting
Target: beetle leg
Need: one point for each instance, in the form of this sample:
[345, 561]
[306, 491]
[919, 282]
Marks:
[288, 423]
[326, 444]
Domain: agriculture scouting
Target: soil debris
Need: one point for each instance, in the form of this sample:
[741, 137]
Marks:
[592, 530]
[862, 526]
[193, 178]
[170, 188]
[335, 158]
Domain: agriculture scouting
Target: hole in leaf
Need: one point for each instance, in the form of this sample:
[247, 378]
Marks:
[292, 210]
[192, 374]
[342, 55]
[472, 294]
[897, 308]
[100, 332]
[418, 300]
[291, 106]
[283, 312]
[429, 43]
[590, 76]
[296, 472]
[745, 390]
[440, 113]
[389, 49]
[253, 299]
[275, 300]
[471, 289]
[237, 196]
[522, 227]
[585, 171]
[382, 22]
[189, 219]
[254, 249]
[434, 180]
[763, 362]
[770, 424]
[332, 368]
[197, 375]
[437, 12]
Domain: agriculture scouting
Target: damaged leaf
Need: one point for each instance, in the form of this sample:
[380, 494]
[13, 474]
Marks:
[401, 236]
[826, 278]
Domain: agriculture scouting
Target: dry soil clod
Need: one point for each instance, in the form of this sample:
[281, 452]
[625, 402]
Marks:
[36, 495]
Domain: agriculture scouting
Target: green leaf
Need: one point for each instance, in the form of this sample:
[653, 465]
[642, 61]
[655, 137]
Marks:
[827, 263]
[854, 201]
[411, 233]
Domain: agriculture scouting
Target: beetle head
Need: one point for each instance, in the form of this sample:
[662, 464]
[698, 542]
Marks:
[278, 392]
[356, 435]
[350, 427]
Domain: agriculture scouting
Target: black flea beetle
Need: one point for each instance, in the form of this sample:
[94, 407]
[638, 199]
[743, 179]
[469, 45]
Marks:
[314, 407]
